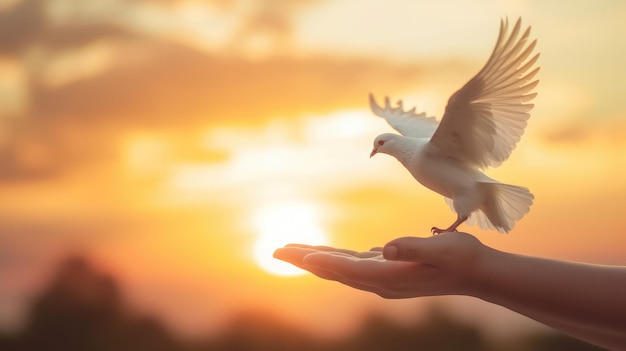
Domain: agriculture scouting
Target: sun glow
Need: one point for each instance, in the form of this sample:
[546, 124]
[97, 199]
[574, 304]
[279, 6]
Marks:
[281, 224]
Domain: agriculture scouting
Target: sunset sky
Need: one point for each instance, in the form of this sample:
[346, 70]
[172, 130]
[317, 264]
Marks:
[174, 142]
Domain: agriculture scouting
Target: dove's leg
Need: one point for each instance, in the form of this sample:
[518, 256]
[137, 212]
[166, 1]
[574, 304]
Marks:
[460, 219]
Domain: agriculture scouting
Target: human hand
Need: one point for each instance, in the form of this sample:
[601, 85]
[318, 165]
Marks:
[406, 267]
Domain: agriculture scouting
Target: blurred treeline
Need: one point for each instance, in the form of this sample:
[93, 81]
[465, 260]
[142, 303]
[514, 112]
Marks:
[83, 309]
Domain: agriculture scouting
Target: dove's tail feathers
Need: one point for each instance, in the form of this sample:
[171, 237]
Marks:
[503, 206]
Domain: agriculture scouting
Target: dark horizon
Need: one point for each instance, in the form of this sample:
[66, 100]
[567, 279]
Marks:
[84, 309]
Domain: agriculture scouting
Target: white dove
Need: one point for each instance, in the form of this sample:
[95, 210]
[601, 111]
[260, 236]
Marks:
[481, 125]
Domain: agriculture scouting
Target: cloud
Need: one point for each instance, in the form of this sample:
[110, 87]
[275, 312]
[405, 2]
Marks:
[608, 131]
[151, 84]
[268, 26]
[176, 85]
[21, 24]
[92, 79]
[573, 133]
[162, 86]
[28, 23]
[63, 23]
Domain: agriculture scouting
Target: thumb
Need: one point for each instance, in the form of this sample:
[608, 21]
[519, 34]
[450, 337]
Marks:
[407, 249]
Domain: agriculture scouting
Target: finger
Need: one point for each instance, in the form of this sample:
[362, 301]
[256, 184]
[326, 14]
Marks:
[345, 252]
[370, 254]
[322, 248]
[328, 260]
[377, 248]
[303, 246]
[292, 254]
[405, 249]
[368, 271]
[323, 271]
[430, 249]
[334, 249]
[296, 255]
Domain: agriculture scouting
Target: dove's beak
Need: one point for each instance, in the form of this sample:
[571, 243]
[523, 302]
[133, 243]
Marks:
[374, 152]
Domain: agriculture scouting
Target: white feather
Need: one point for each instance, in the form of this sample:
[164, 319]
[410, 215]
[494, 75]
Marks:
[408, 123]
[486, 118]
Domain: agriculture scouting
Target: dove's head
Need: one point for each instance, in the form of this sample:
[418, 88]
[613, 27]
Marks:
[386, 143]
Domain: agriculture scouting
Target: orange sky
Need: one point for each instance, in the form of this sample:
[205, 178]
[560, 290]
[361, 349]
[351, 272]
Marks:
[149, 134]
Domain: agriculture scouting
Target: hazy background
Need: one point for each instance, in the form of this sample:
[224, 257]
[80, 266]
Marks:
[163, 141]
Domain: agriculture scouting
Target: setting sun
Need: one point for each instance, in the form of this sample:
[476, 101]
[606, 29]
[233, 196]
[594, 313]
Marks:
[281, 224]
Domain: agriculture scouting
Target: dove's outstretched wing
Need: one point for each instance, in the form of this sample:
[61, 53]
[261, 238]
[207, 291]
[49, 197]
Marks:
[408, 123]
[486, 118]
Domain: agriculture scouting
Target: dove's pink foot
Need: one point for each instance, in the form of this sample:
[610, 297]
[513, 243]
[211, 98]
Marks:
[435, 230]
[452, 228]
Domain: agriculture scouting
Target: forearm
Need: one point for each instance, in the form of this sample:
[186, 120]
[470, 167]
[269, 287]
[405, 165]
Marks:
[585, 301]
[611, 339]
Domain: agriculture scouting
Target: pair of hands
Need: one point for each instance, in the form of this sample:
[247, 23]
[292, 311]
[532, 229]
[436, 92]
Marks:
[407, 267]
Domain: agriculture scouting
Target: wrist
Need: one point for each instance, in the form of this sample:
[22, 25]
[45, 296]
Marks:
[481, 273]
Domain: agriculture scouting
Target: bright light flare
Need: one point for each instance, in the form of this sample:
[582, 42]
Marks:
[281, 224]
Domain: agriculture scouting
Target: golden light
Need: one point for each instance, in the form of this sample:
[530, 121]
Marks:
[14, 96]
[80, 63]
[146, 153]
[281, 224]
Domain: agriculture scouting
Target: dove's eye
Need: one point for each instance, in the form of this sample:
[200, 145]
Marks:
[381, 142]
